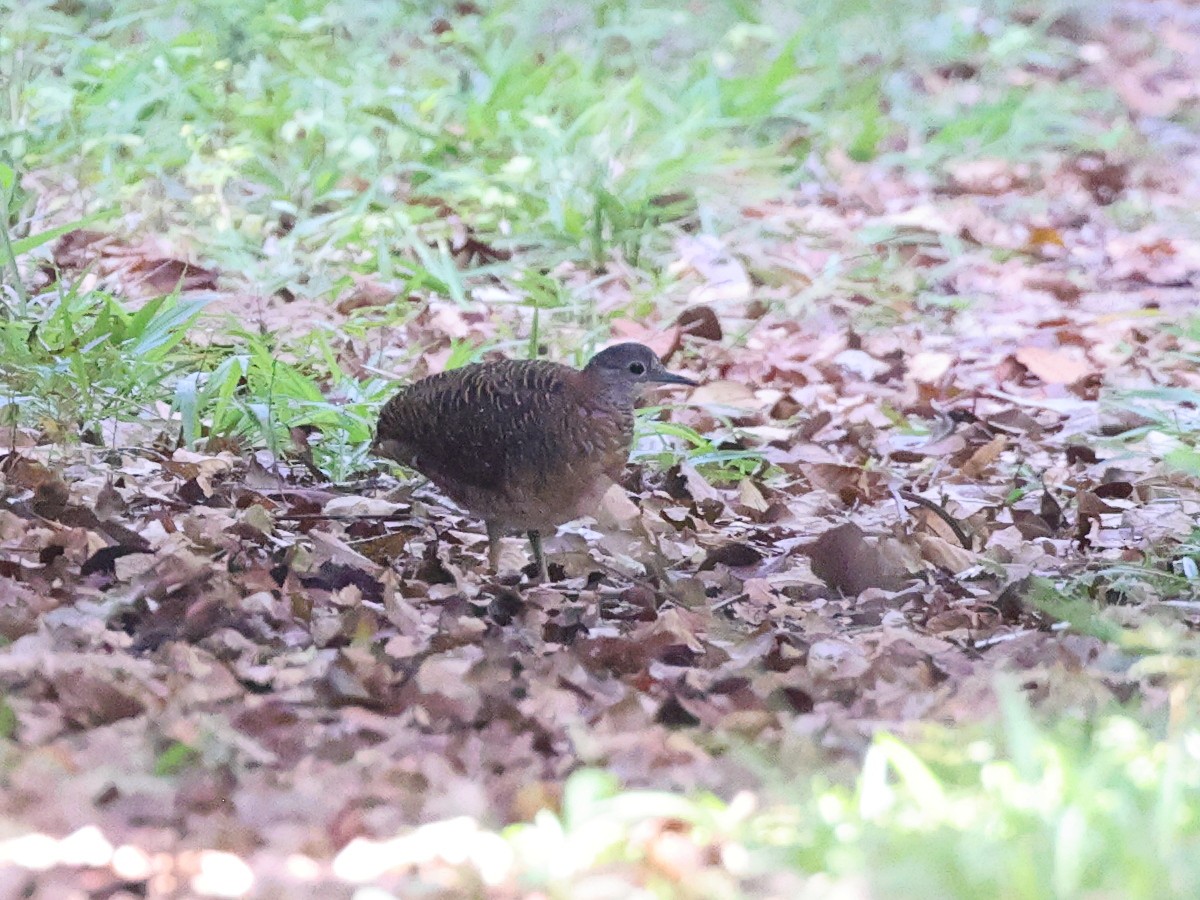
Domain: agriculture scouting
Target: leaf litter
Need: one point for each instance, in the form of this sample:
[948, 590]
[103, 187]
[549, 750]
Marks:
[226, 672]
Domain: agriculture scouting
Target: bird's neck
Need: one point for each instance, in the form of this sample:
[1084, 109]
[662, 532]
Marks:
[621, 395]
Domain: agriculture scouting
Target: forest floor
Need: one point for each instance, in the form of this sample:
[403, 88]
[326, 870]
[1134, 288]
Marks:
[901, 601]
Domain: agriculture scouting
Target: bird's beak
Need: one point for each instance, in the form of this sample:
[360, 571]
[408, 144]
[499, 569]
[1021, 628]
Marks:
[662, 376]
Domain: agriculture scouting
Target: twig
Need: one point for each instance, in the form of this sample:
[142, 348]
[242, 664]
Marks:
[347, 517]
[950, 521]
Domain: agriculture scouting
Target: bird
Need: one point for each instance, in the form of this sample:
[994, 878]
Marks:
[524, 445]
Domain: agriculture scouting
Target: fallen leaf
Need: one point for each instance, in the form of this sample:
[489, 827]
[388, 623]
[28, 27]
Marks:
[733, 395]
[1053, 366]
[700, 322]
[328, 547]
[735, 553]
[945, 555]
[984, 457]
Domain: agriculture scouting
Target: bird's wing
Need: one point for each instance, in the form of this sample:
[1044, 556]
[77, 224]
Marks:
[476, 426]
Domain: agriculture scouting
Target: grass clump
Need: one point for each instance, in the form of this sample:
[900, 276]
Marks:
[1024, 809]
[295, 145]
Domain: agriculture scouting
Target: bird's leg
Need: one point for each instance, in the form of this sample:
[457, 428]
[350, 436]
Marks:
[494, 533]
[535, 544]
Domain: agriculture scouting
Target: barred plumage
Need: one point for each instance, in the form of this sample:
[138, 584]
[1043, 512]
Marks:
[524, 444]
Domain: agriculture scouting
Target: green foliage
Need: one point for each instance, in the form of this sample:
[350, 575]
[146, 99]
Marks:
[1025, 808]
[83, 358]
[86, 360]
[1167, 424]
[8, 720]
[174, 759]
[254, 396]
[298, 142]
[715, 464]
[332, 127]
[12, 199]
[1035, 811]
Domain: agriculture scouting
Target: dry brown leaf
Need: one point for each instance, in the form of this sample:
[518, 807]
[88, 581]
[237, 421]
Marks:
[1031, 525]
[697, 486]
[929, 367]
[984, 457]
[751, 497]
[836, 660]
[329, 547]
[735, 553]
[724, 393]
[366, 292]
[1054, 365]
[616, 509]
[700, 322]
[724, 278]
[945, 555]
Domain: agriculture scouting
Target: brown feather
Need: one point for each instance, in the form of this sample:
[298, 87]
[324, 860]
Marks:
[522, 443]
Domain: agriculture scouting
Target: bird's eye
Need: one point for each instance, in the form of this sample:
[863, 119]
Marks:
[637, 368]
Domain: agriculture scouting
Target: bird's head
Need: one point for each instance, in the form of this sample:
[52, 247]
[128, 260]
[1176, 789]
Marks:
[624, 368]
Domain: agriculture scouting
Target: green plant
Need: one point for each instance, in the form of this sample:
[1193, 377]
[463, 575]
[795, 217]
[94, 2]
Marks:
[1025, 807]
[714, 463]
[12, 199]
[254, 396]
[84, 358]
